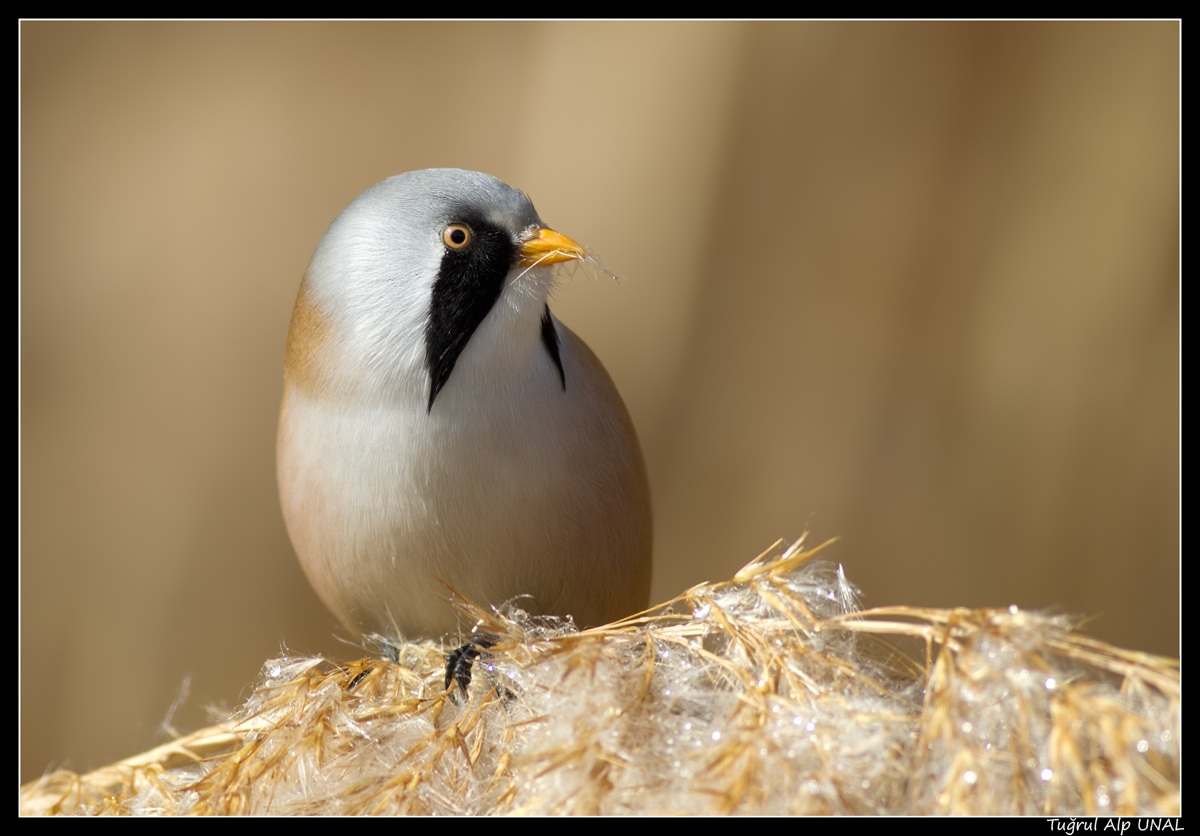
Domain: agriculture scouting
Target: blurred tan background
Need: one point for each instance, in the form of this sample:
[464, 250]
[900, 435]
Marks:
[914, 285]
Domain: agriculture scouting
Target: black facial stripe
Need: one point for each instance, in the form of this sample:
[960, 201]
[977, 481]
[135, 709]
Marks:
[550, 339]
[469, 282]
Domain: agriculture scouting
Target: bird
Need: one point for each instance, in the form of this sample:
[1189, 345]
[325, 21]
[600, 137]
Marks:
[441, 429]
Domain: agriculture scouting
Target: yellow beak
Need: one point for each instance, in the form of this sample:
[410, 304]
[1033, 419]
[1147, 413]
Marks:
[545, 246]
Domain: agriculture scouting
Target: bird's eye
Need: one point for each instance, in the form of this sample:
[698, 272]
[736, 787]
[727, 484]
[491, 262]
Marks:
[457, 236]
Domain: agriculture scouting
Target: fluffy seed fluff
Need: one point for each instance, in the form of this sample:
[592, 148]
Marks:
[770, 693]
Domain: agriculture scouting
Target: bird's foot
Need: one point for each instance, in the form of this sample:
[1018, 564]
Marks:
[460, 660]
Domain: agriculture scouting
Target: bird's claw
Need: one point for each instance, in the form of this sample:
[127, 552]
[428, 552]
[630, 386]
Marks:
[460, 660]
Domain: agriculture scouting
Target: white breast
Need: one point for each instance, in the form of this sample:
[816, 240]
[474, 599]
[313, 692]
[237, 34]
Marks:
[509, 486]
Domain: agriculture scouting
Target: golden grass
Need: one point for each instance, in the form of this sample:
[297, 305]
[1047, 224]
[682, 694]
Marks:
[770, 693]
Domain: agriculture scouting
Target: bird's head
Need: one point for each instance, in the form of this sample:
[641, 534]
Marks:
[423, 273]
